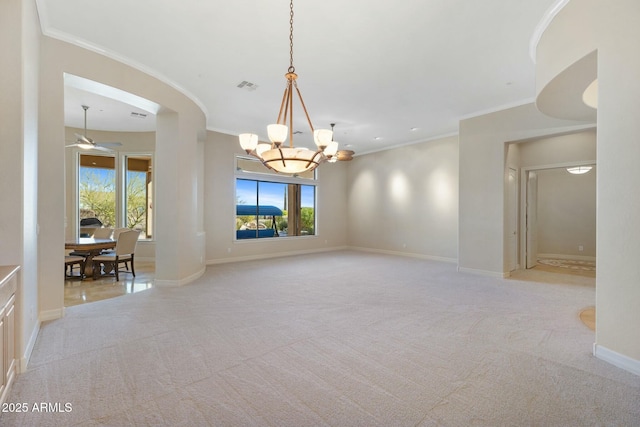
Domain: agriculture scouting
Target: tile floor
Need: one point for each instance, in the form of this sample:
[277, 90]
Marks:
[89, 290]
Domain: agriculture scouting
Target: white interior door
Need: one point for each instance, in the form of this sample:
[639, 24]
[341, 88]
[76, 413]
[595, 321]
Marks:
[532, 219]
[512, 215]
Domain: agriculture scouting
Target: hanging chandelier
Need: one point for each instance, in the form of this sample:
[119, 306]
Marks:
[291, 159]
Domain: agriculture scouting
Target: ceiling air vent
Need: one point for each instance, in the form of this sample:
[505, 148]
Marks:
[247, 85]
[138, 115]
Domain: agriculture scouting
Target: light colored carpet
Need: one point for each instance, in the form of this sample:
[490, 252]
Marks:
[337, 339]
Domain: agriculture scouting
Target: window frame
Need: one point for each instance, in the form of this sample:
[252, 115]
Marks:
[122, 218]
[120, 167]
[272, 177]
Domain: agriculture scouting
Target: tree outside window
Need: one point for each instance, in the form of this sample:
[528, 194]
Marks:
[98, 192]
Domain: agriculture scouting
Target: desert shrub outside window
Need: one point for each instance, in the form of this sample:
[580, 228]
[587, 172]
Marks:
[115, 192]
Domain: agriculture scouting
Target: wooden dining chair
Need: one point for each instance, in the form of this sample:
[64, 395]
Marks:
[70, 261]
[123, 254]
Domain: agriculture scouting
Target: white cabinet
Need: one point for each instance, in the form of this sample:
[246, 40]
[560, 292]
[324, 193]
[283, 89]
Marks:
[8, 286]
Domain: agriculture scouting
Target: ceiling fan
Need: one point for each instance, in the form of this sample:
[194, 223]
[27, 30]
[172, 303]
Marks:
[345, 155]
[341, 155]
[86, 143]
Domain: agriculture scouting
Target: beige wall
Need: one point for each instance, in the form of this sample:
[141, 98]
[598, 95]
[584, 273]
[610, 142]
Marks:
[219, 213]
[179, 249]
[406, 200]
[482, 230]
[560, 151]
[566, 214]
[612, 29]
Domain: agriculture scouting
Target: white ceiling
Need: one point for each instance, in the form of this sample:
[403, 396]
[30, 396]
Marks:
[378, 69]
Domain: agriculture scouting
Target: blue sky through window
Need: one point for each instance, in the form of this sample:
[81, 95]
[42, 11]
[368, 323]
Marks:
[271, 193]
[98, 178]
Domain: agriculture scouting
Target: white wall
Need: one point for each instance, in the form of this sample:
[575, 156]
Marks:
[611, 29]
[405, 200]
[19, 44]
[220, 204]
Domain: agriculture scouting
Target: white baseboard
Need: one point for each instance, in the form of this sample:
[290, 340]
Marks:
[273, 255]
[44, 316]
[175, 283]
[23, 362]
[616, 359]
[497, 274]
[405, 254]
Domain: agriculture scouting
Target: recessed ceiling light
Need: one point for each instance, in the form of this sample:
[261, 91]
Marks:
[378, 138]
[413, 129]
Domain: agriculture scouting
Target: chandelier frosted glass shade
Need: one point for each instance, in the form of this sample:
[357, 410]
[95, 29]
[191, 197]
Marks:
[322, 137]
[292, 160]
[277, 133]
[331, 149]
[261, 148]
[248, 141]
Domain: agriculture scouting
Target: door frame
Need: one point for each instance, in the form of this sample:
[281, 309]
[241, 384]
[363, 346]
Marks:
[524, 171]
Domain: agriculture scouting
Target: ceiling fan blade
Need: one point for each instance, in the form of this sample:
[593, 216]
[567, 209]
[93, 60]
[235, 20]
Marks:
[345, 155]
[83, 146]
[98, 147]
[84, 139]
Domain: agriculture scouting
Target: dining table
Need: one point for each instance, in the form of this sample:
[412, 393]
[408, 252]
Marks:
[90, 247]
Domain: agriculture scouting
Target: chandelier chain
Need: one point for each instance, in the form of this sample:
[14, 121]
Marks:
[291, 160]
[292, 69]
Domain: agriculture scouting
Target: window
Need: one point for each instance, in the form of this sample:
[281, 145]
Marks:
[112, 198]
[97, 192]
[138, 195]
[273, 206]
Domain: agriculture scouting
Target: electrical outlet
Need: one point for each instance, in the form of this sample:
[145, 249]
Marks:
[580, 248]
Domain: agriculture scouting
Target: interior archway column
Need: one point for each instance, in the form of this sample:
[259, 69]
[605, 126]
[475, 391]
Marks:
[611, 30]
[179, 253]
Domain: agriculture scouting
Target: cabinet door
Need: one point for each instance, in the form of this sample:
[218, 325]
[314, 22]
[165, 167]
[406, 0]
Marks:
[3, 352]
[10, 343]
